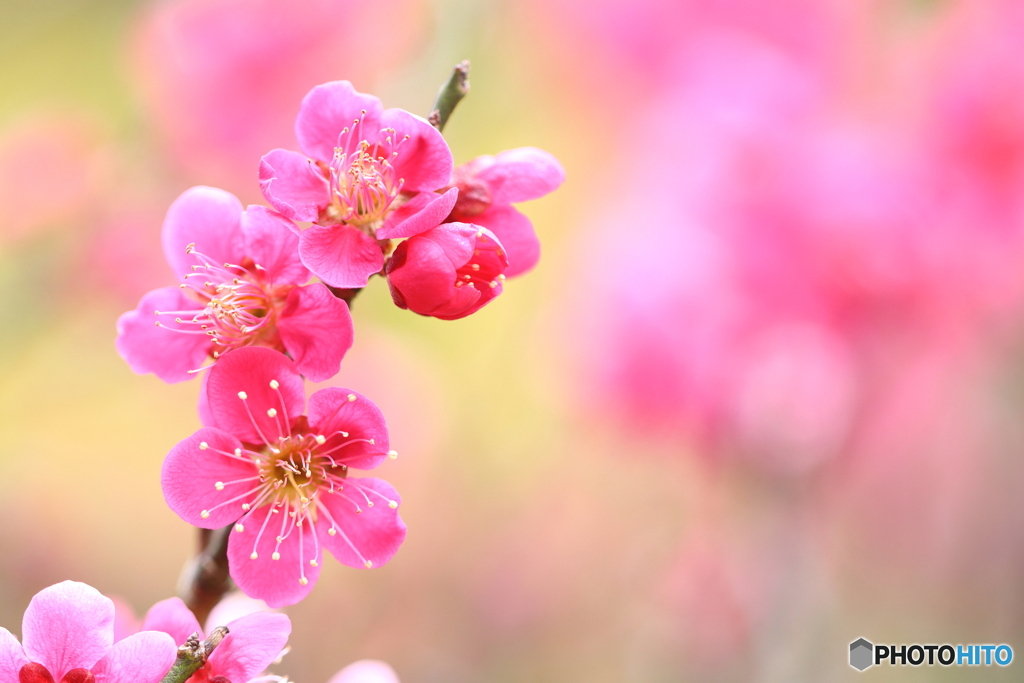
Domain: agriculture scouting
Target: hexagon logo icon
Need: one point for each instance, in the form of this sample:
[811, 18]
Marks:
[861, 654]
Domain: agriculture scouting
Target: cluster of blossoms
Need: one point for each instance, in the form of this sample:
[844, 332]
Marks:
[261, 306]
[381, 195]
[73, 634]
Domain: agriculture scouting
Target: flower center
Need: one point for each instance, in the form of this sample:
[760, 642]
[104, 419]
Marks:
[240, 309]
[292, 473]
[483, 270]
[364, 183]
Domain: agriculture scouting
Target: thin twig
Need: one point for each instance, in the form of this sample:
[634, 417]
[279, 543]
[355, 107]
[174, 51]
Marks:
[205, 578]
[450, 95]
[193, 654]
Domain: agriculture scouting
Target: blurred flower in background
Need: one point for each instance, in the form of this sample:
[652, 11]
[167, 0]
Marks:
[223, 80]
[759, 397]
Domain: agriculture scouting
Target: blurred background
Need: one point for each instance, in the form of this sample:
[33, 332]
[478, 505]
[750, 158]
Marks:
[761, 397]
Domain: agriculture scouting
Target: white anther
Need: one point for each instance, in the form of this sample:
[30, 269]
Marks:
[238, 452]
[254, 555]
[393, 504]
[312, 563]
[368, 564]
[242, 395]
[351, 397]
[303, 580]
[239, 528]
[203, 445]
[274, 384]
[493, 283]
[371, 442]
[204, 514]
[321, 439]
[245, 506]
[276, 556]
[475, 266]
[219, 485]
[331, 531]
[392, 454]
[272, 412]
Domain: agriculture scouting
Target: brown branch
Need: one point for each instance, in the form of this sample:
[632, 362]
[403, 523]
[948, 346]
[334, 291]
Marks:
[205, 578]
[450, 94]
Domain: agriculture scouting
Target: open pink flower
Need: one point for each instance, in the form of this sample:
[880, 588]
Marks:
[68, 637]
[447, 272]
[371, 175]
[366, 671]
[489, 185]
[281, 477]
[242, 286]
[253, 643]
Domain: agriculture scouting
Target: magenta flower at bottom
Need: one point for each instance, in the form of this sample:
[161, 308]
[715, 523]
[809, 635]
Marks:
[448, 272]
[282, 477]
[68, 637]
[253, 642]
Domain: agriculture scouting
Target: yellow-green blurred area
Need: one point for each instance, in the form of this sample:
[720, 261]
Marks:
[549, 540]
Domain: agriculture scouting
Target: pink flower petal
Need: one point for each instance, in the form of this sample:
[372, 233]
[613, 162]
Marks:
[424, 160]
[142, 658]
[272, 241]
[424, 211]
[249, 372]
[209, 218]
[333, 410]
[254, 642]
[316, 329]
[125, 622]
[519, 175]
[330, 108]
[68, 626]
[172, 617]
[148, 348]
[275, 581]
[366, 671]
[190, 474]
[516, 234]
[12, 656]
[293, 185]
[234, 605]
[340, 256]
[372, 535]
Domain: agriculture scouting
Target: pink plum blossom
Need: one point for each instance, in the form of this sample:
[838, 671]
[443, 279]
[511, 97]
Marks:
[448, 272]
[366, 671]
[489, 185]
[282, 478]
[254, 641]
[68, 637]
[367, 175]
[242, 285]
